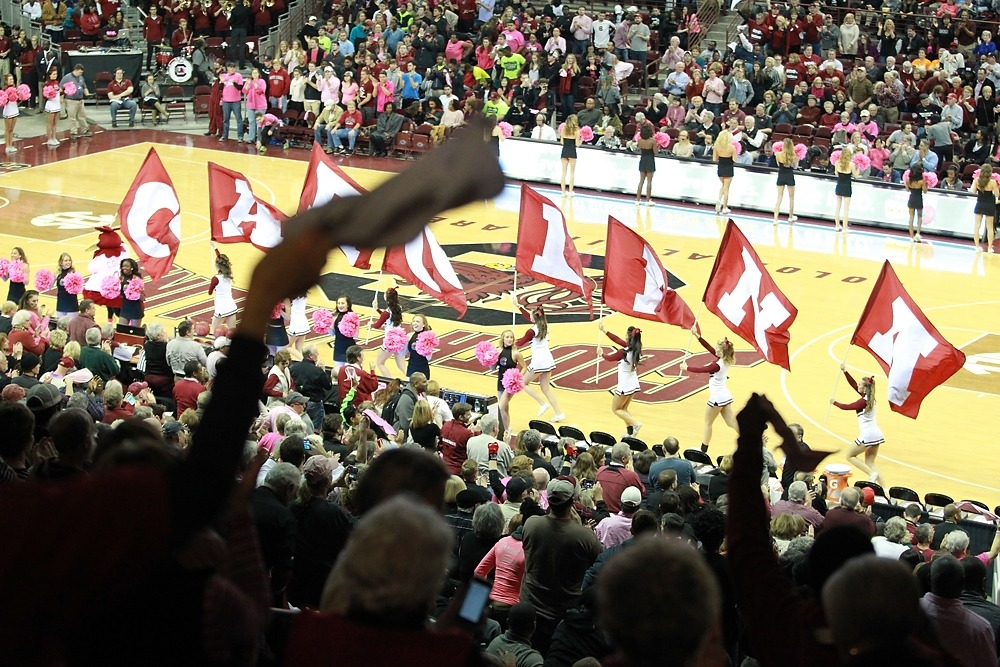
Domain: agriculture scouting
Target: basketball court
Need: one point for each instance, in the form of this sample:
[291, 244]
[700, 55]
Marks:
[51, 205]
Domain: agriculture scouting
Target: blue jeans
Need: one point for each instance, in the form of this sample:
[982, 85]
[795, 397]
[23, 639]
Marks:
[351, 135]
[128, 105]
[316, 413]
[279, 102]
[319, 132]
[252, 116]
[229, 109]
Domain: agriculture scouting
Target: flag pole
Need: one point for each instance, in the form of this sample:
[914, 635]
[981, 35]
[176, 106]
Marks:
[687, 348]
[378, 288]
[513, 302]
[836, 383]
[597, 373]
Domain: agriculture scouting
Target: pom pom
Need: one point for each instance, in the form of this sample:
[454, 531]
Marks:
[512, 381]
[44, 280]
[931, 179]
[861, 161]
[801, 151]
[835, 156]
[278, 311]
[23, 92]
[73, 282]
[4, 268]
[559, 130]
[586, 133]
[110, 287]
[50, 92]
[70, 88]
[16, 272]
[349, 325]
[322, 321]
[662, 139]
[426, 343]
[11, 94]
[395, 340]
[777, 146]
[133, 289]
[487, 354]
[201, 328]
[995, 176]
[506, 128]
[3, 98]
[738, 147]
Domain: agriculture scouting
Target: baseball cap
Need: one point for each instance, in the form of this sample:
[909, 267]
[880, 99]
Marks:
[223, 341]
[516, 486]
[136, 387]
[13, 393]
[294, 397]
[81, 376]
[312, 18]
[67, 362]
[631, 496]
[172, 428]
[325, 69]
[868, 496]
[865, 113]
[318, 468]
[560, 492]
[42, 397]
[952, 96]
[29, 361]
[466, 499]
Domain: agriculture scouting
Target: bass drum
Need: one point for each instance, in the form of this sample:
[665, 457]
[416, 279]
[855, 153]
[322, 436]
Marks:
[163, 57]
[180, 70]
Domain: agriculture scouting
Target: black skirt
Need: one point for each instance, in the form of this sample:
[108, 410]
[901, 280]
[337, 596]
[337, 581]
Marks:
[786, 176]
[647, 161]
[725, 168]
[916, 200]
[568, 148]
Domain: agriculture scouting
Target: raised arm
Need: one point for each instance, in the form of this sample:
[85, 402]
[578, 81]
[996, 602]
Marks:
[708, 347]
[526, 338]
[615, 339]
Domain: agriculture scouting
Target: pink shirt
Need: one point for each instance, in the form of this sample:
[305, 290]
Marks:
[454, 50]
[256, 90]
[507, 558]
[385, 90]
[349, 92]
[613, 530]
[232, 88]
[330, 92]
[714, 89]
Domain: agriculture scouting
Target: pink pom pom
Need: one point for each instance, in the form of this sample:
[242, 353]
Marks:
[349, 325]
[278, 311]
[3, 98]
[738, 147]
[110, 287]
[512, 381]
[487, 354]
[16, 272]
[801, 151]
[73, 282]
[586, 133]
[4, 268]
[70, 88]
[506, 128]
[777, 146]
[395, 340]
[559, 129]
[44, 280]
[322, 321]
[133, 289]
[50, 92]
[835, 156]
[861, 161]
[426, 343]
[662, 139]
[23, 92]
[931, 179]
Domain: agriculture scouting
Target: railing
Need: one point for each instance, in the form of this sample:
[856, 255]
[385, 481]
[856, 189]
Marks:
[12, 12]
[290, 24]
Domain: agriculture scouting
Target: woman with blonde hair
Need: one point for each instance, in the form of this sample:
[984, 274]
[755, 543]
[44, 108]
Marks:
[849, 34]
[570, 139]
[846, 171]
[986, 191]
[785, 528]
[787, 161]
[870, 436]
[510, 357]
[724, 152]
[423, 430]
[720, 399]
[584, 468]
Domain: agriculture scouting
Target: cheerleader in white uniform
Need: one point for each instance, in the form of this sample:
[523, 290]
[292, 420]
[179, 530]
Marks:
[542, 363]
[720, 399]
[10, 114]
[53, 105]
[298, 325]
[869, 435]
[628, 356]
[221, 288]
[390, 318]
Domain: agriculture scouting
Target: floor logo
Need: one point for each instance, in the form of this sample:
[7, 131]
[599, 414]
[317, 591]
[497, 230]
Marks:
[982, 366]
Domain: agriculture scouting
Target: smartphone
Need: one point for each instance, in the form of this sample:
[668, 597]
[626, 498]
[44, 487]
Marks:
[130, 399]
[352, 473]
[477, 596]
[587, 484]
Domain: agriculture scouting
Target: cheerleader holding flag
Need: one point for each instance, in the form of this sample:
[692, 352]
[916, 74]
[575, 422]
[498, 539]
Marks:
[720, 399]
[221, 288]
[629, 356]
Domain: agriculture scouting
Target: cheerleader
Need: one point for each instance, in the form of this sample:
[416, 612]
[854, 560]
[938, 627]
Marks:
[510, 357]
[542, 363]
[390, 318]
[340, 341]
[570, 139]
[720, 399]
[16, 289]
[298, 323]
[221, 288]
[628, 357]
[10, 114]
[416, 362]
[723, 153]
[52, 93]
[67, 305]
[132, 310]
[276, 337]
[845, 171]
[870, 435]
[787, 161]
[917, 187]
[986, 191]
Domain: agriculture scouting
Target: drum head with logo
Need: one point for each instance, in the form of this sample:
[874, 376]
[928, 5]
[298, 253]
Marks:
[180, 70]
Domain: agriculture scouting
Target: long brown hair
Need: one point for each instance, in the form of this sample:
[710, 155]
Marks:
[726, 351]
[985, 174]
[786, 157]
[541, 323]
[867, 390]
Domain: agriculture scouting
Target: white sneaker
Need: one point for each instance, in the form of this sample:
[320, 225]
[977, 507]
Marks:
[52, 142]
[793, 218]
[543, 409]
[11, 149]
[873, 478]
[635, 429]
[727, 210]
[560, 417]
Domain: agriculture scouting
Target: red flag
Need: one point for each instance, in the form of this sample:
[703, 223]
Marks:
[325, 181]
[545, 249]
[914, 355]
[422, 262]
[150, 216]
[238, 215]
[742, 294]
[635, 282]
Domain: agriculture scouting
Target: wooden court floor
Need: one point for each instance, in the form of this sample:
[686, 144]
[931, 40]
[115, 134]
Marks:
[52, 207]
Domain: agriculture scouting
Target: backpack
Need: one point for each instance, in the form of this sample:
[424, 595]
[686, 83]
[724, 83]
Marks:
[389, 409]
